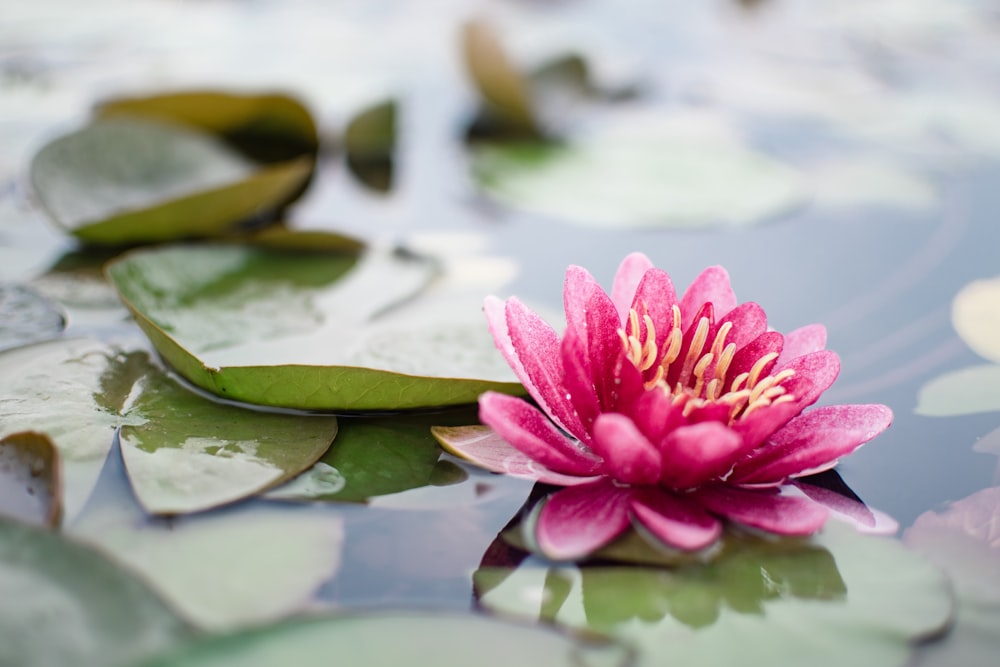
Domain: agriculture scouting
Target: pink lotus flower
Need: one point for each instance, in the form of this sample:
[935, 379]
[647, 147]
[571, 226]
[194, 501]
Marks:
[664, 413]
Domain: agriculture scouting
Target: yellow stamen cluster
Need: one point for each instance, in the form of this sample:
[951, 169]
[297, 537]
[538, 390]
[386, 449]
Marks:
[699, 382]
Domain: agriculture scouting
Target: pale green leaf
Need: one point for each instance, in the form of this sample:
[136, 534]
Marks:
[30, 484]
[967, 391]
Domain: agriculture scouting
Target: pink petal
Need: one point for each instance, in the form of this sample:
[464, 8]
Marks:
[655, 415]
[848, 510]
[748, 355]
[812, 442]
[697, 453]
[628, 456]
[604, 348]
[681, 370]
[674, 520]
[578, 382]
[759, 425]
[765, 509]
[528, 430]
[484, 447]
[711, 286]
[656, 294]
[627, 278]
[537, 349]
[810, 338]
[577, 521]
[749, 321]
[577, 289]
[814, 373]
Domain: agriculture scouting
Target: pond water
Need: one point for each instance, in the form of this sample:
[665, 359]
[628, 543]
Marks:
[839, 160]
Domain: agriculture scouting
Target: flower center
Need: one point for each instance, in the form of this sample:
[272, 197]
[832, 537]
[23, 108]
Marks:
[695, 372]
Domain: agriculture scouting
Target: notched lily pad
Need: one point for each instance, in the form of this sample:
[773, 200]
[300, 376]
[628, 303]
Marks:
[26, 316]
[62, 603]
[266, 127]
[399, 638]
[839, 598]
[125, 181]
[30, 484]
[312, 331]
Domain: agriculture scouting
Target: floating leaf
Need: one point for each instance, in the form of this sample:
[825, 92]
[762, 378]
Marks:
[667, 173]
[76, 281]
[185, 453]
[376, 456]
[399, 638]
[128, 181]
[839, 598]
[30, 488]
[969, 390]
[65, 604]
[26, 316]
[853, 183]
[964, 540]
[975, 314]
[312, 330]
[370, 140]
[267, 127]
[246, 565]
[73, 391]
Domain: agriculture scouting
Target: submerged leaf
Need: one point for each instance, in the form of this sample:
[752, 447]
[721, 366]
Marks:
[399, 638]
[26, 316]
[62, 603]
[128, 181]
[30, 485]
[840, 598]
[312, 330]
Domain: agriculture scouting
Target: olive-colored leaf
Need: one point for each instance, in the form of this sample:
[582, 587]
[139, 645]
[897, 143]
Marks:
[125, 181]
[839, 598]
[266, 127]
[370, 140]
[246, 565]
[967, 391]
[504, 90]
[30, 485]
[62, 603]
[312, 330]
[651, 173]
[377, 456]
[26, 316]
[964, 540]
[975, 314]
[185, 453]
[399, 638]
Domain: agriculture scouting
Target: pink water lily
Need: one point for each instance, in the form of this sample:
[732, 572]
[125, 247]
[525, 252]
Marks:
[670, 414]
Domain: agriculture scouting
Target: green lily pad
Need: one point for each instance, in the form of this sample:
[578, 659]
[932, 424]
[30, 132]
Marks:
[30, 488]
[975, 314]
[312, 330]
[185, 453]
[648, 173]
[964, 540]
[26, 316]
[241, 566]
[266, 127]
[839, 598]
[65, 604]
[377, 456]
[967, 391]
[125, 181]
[399, 638]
